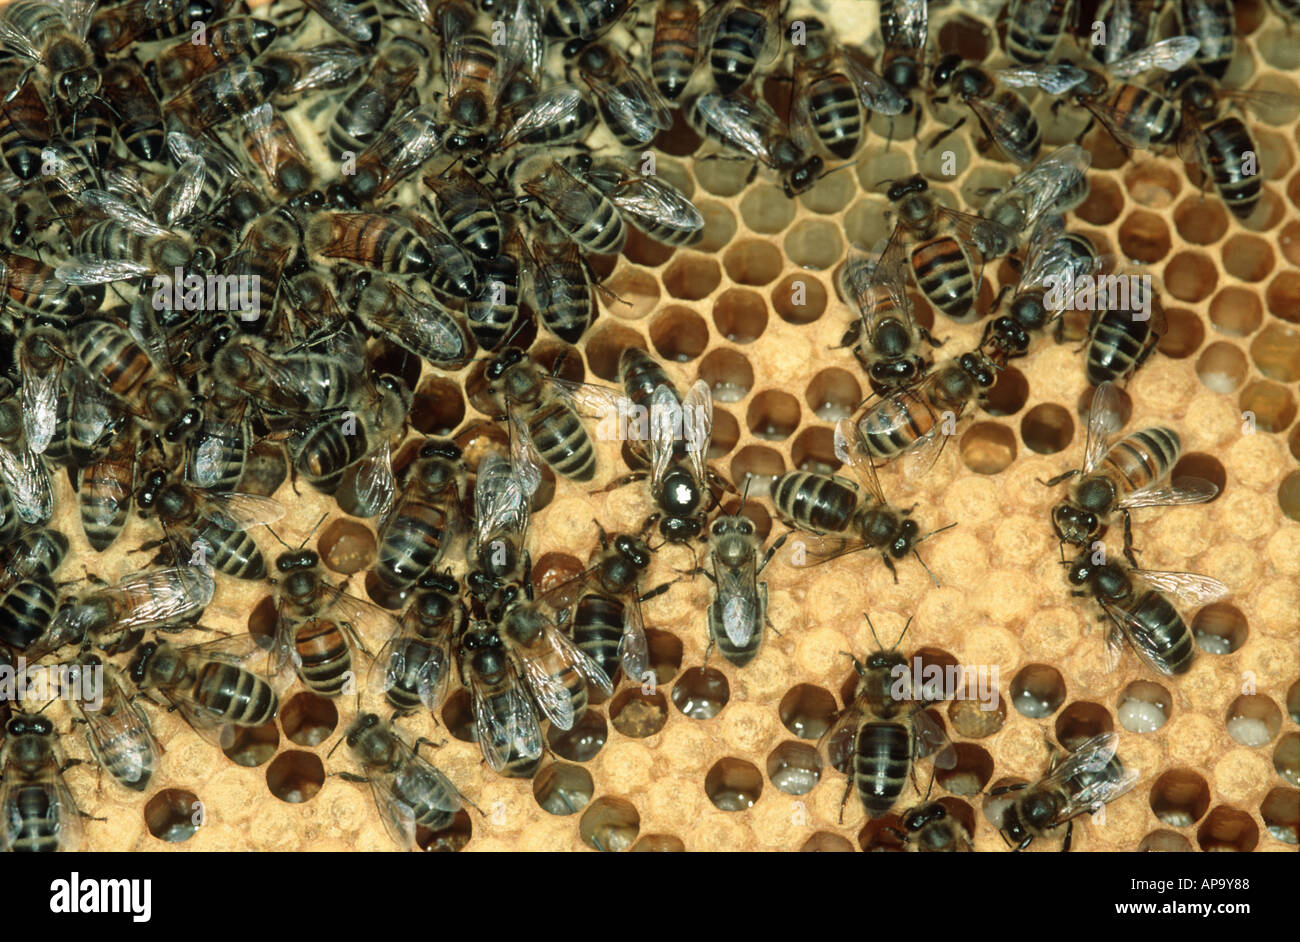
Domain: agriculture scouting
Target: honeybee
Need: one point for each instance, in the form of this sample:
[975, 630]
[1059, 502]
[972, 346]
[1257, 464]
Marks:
[1035, 26]
[885, 339]
[28, 596]
[115, 27]
[472, 70]
[934, 827]
[508, 731]
[631, 106]
[1123, 336]
[215, 98]
[34, 553]
[40, 367]
[140, 114]
[1211, 22]
[649, 203]
[276, 150]
[916, 419]
[1130, 473]
[545, 415]
[118, 732]
[556, 670]
[834, 93]
[372, 240]
[362, 115]
[1082, 783]
[409, 791]
[33, 288]
[414, 320]
[467, 211]
[497, 552]
[314, 68]
[404, 145]
[1129, 26]
[117, 615]
[104, 490]
[563, 294]
[1055, 183]
[208, 684]
[414, 664]
[494, 311]
[239, 37]
[37, 811]
[22, 471]
[749, 125]
[1136, 604]
[879, 736]
[738, 611]
[305, 382]
[1001, 112]
[553, 116]
[578, 209]
[52, 35]
[740, 36]
[426, 518]
[826, 504]
[25, 123]
[904, 30]
[675, 47]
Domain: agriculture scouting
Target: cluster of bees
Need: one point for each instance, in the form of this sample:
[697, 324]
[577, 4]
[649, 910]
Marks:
[151, 153]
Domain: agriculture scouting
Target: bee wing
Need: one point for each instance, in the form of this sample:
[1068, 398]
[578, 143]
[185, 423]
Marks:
[830, 547]
[738, 591]
[931, 739]
[589, 399]
[1119, 124]
[237, 511]
[860, 462]
[525, 46]
[548, 108]
[836, 745]
[40, 404]
[654, 199]
[97, 270]
[1177, 492]
[500, 499]
[539, 670]
[1188, 587]
[375, 486]
[266, 144]
[1103, 421]
[166, 595]
[512, 733]
[523, 452]
[29, 484]
[1128, 628]
[744, 123]
[905, 23]
[1048, 178]
[665, 422]
[14, 40]
[1089, 778]
[697, 427]
[209, 449]
[176, 199]
[398, 815]
[432, 677]
[362, 617]
[643, 112]
[346, 18]
[633, 649]
[875, 93]
[1168, 54]
[1055, 79]
[999, 122]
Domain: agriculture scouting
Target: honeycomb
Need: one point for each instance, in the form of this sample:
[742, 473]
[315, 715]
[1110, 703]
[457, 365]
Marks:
[712, 757]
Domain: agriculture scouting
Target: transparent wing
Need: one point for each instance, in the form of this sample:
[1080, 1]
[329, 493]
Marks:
[165, 595]
[1188, 587]
[1176, 492]
[697, 427]
[397, 815]
[659, 201]
[1121, 124]
[362, 617]
[175, 200]
[325, 66]
[639, 109]
[1089, 776]
[120, 211]
[1168, 54]
[14, 40]
[548, 108]
[373, 480]
[96, 270]
[346, 18]
[500, 499]
[40, 404]
[931, 740]
[1001, 124]
[430, 657]
[237, 511]
[633, 649]
[1104, 420]
[523, 453]
[29, 484]
[421, 777]
[507, 726]
[737, 589]
[875, 93]
[590, 399]
[905, 23]
[743, 123]
[665, 424]
[836, 745]
[1053, 79]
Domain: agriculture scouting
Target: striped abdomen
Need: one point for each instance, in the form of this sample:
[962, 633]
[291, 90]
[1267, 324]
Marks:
[324, 657]
[26, 611]
[1141, 458]
[1161, 633]
[1224, 144]
[425, 796]
[738, 654]
[562, 441]
[34, 818]
[1143, 115]
[110, 355]
[820, 503]
[942, 269]
[104, 496]
[470, 220]
[411, 543]
[235, 695]
[597, 629]
[411, 664]
[896, 425]
[1032, 31]
[835, 114]
[1119, 346]
[603, 231]
[641, 375]
[24, 128]
[675, 47]
[736, 47]
[882, 757]
[232, 551]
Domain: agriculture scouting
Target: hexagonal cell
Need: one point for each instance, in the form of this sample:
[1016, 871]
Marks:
[691, 277]
[552, 570]
[173, 815]
[1191, 276]
[701, 692]
[308, 719]
[719, 226]
[971, 773]
[1247, 257]
[807, 711]
[1080, 721]
[1253, 720]
[1037, 691]
[610, 824]
[1221, 367]
[1009, 394]
[728, 373]
[814, 450]
[726, 432]
[450, 839]
[881, 835]
[1151, 183]
[766, 209]
[1276, 353]
[733, 784]
[1268, 211]
[665, 654]
[680, 140]
[679, 334]
[833, 394]
[438, 406]
[630, 293]
[946, 162]
[250, 746]
[794, 768]
[1103, 203]
[1288, 495]
[773, 415]
[1286, 758]
[558, 359]
[830, 194]
[386, 357]
[1144, 706]
[643, 250]
[583, 742]
[346, 546]
[976, 719]
[458, 716]
[1144, 237]
[1179, 797]
[1236, 312]
[1280, 810]
[824, 842]
[988, 447]
[1200, 221]
[753, 262]
[754, 468]
[799, 298]
[638, 714]
[563, 789]
[1047, 428]
[876, 164]
[814, 244]
[295, 776]
[1184, 334]
[865, 225]
[1197, 464]
[1272, 405]
[1293, 702]
[606, 344]
[659, 844]
[740, 315]
[1227, 829]
[1164, 841]
[1283, 296]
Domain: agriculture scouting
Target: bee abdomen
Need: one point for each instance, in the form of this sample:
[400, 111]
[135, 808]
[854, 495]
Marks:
[1145, 456]
[411, 544]
[814, 502]
[880, 765]
[1163, 634]
[37, 816]
[836, 115]
[597, 629]
[324, 657]
[233, 552]
[1119, 345]
[943, 273]
[563, 442]
[237, 696]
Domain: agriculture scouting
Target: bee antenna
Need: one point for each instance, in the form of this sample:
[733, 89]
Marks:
[277, 536]
[744, 494]
[925, 567]
[847, 163]
[875, 636]
[904, 631]
[933, 532]
[44, 708]
[336, 745]
[313, 530]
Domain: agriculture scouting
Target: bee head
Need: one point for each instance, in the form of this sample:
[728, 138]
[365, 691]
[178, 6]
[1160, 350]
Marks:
[1074, 524]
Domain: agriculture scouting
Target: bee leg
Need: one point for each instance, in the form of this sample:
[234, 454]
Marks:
[771, 551]
[848, 787]
[351, 777]
[428, 742]
[942, 134]
[1128, 540]
[1004, 789]
[1069, 836]
[1065, 475]
[1086, 128]
[623, 481]
[929, 338]
[657, 590]
[890, 563]
[896, 832]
